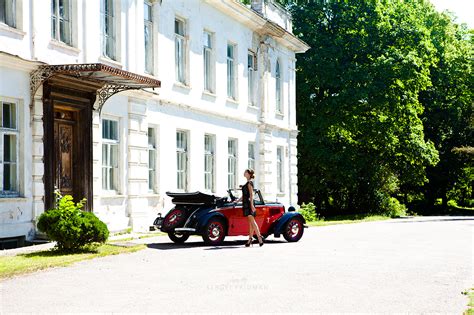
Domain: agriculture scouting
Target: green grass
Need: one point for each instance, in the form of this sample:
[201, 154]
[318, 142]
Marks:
[27, 263]
[470, 295]
[347, 219]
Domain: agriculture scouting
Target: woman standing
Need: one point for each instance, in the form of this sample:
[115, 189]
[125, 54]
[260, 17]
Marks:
[248, 207]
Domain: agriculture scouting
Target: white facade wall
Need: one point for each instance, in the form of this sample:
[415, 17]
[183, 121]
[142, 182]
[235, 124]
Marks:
[172, 107]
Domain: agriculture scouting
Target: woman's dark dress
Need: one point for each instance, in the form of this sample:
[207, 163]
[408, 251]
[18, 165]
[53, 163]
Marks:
[246, 199]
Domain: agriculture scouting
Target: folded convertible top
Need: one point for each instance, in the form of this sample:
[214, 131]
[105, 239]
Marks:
[192, 198]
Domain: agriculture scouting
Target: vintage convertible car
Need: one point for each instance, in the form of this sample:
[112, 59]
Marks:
[214, 218]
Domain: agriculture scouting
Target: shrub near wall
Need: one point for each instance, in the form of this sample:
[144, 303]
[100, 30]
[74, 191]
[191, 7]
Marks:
[70, 227]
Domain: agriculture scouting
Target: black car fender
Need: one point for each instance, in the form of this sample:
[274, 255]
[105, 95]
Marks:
[202, 220]
[278, 225]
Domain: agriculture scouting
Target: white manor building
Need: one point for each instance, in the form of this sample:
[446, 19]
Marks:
[119, 101]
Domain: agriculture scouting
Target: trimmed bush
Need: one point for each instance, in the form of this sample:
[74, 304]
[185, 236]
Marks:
[308, 211]
[70, 227]
[393, 208]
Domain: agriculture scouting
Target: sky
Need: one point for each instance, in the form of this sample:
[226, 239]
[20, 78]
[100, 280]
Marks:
[463, 9]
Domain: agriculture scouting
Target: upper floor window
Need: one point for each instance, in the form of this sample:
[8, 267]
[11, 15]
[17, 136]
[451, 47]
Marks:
[208, 62]
[182, 160]
[251, 155]
[110, 154]
[8, 12]
[209, 162]
[231, 71]
[252, 68]
[61, 21]
[152, 159]
[232, 163]
[279, 160]
[9, 148]
[180, 50]
[278, 98]
[148, 31]
[108, 31]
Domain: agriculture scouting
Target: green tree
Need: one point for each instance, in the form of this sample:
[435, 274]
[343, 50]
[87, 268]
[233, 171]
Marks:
[361, 135]
[448, 111]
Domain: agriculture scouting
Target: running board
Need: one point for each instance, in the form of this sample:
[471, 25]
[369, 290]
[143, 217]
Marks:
[183, 229]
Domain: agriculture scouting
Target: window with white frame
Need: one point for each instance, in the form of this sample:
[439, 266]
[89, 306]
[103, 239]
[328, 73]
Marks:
[180, 50]
[251, 155]
[9, 148]
[148, 31]
[209, 162]
[279, 162]
[108, 28]
[278, 98]
[8, 12]
[110, 154]
[182, 160]
[207, 54]
[232, 163]
[61, 28]
[252, 72]
[231, 71]
[152, 159]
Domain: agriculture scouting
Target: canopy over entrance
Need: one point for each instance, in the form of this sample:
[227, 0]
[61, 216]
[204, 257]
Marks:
[70, 94]
[107, 80]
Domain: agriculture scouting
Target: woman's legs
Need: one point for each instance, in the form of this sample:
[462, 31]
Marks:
[251, 227]
[255, 228]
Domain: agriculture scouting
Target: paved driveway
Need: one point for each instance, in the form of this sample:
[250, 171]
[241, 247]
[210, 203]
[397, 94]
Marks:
[408, 265]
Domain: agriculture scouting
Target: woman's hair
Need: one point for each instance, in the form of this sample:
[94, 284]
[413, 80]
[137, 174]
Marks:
[251, 172]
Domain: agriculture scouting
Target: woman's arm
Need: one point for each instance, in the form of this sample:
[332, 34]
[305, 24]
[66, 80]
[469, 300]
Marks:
[252, 206]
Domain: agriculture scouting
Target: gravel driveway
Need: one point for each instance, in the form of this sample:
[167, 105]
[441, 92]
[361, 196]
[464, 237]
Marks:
[416, 265]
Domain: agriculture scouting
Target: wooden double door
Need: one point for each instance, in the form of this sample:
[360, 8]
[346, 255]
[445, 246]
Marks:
[68, 145]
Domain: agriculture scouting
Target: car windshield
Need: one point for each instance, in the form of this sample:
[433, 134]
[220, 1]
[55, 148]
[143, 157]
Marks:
[256, 196]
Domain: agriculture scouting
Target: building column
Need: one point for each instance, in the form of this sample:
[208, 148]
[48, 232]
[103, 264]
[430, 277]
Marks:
[138, 166]
[293, 168]
[37, 159]
[265, 151]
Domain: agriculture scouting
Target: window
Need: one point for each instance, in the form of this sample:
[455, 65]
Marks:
[108, 28]
[251, 155]
[182, 160]
[232, 163]
[278, 99]
[148, 31]
[231, 71]
[252, 68]
[209, 162]
[152, 159]
[61, 21]
[208, 65]
[280, 169]
[180, 49]
[110, 154]
[8, 150]
[8, 12]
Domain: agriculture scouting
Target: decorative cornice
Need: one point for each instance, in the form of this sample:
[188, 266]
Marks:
[259, 23]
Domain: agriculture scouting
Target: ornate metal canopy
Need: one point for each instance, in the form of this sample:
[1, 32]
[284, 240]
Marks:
[112, 80]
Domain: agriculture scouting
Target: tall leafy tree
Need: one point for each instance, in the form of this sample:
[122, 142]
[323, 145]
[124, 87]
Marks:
[448, 111]
[361, 135]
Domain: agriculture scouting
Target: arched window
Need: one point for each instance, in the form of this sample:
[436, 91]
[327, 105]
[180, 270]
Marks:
[279, 107]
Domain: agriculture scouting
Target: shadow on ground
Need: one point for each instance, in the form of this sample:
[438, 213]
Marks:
[224, 245]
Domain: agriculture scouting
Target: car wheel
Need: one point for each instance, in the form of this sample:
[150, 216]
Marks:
[214, 232]
[293, 230]
[174, 219]
[178, 238]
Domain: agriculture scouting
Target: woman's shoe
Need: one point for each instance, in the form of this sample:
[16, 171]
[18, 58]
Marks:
[249, 243]
[260, 241]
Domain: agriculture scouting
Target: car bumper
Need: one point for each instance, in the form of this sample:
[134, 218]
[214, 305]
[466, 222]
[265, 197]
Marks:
[159, 222]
